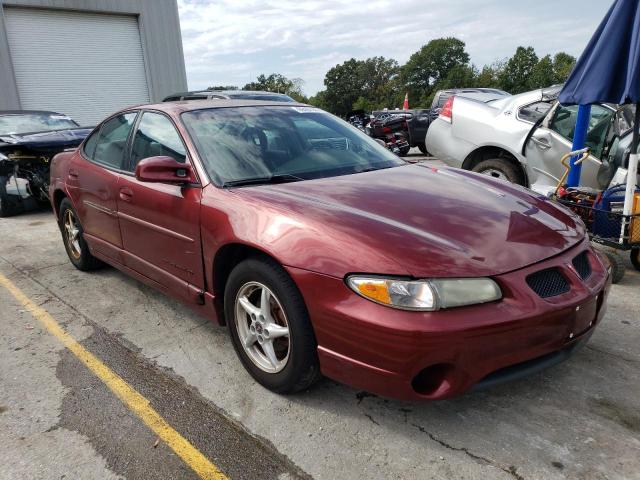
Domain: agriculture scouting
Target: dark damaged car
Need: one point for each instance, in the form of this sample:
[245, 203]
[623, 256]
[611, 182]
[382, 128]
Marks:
[28, 142]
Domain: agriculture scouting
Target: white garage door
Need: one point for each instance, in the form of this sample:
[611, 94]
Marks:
[82, 64]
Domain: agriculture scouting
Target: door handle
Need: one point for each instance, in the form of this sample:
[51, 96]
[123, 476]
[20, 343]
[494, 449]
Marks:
[126, 194]
[543, 143]
[73, 173]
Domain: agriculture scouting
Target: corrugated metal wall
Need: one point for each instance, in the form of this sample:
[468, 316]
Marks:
[85, 65]
[160, 37]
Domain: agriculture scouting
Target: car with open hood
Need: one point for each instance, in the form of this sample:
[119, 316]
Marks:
[325, 254]
[28, 141]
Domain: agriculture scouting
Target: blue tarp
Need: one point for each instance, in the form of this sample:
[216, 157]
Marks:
[609, 68]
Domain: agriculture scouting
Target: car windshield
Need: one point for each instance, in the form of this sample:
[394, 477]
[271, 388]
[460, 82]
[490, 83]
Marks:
[34, 122]
[299, 143]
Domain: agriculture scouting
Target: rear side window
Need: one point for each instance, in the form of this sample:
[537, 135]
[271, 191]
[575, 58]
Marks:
[534, 111]
[107, 146]
[156, 136]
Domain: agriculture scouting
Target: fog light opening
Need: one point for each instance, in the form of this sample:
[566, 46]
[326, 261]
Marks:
[430, 379]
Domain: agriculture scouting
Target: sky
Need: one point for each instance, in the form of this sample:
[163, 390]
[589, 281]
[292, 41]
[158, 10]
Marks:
[230, 42]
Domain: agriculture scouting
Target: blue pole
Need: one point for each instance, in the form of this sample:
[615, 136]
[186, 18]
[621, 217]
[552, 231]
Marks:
[579, 137]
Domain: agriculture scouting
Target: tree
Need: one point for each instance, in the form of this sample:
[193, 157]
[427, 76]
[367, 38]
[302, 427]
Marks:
[542, 74]
[368, 82]
[489, 76]
[432, 63]
[278, 83]
[515, 76]
[563, 63]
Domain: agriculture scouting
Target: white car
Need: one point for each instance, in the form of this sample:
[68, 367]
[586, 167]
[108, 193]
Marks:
[522, 138]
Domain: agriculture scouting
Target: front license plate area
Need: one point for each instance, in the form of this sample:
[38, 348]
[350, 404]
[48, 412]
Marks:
[585, 316]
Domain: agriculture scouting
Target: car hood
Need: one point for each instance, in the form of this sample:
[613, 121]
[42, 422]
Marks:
[58, 139]
[429, 221]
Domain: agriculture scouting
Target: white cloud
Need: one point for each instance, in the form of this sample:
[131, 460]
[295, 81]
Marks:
[230, 41]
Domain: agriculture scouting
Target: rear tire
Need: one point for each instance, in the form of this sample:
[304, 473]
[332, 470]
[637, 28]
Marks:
[73, 239]
[500, 168]
[294, 365]
[635, 258]
[423, 149]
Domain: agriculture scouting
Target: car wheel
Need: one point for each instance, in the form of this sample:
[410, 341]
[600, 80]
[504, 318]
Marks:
[617, 265]
[7, 207]
[635, 258]
[500, 168]
[423, 148]
[72, 237]
[270, 327]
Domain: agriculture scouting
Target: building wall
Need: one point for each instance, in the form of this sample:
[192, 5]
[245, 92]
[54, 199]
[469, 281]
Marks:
[159, 32]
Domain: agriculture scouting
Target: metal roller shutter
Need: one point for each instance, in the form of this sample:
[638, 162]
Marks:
[85, 65]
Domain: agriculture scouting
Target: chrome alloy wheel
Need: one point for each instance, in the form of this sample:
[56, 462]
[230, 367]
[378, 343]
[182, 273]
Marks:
[262, 327]
[72, 233]
[495, 173]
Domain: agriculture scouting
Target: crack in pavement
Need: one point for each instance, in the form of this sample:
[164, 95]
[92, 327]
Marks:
[612, 354]
[511, 470]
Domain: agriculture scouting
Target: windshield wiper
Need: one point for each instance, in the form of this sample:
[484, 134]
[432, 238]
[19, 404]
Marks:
[273, 179]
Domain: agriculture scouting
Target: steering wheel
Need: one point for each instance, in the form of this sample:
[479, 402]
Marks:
[255, 136]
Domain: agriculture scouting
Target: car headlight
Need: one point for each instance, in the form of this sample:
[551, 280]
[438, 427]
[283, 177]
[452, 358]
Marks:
[425, 295]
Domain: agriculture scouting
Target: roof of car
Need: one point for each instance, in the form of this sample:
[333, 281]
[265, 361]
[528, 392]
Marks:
[208, 93]
[181, 106]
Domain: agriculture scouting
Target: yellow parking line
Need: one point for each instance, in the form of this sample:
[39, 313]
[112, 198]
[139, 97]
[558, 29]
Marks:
[127, 394]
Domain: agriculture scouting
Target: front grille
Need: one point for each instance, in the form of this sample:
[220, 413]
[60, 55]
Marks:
[548, 283]
[582, 265]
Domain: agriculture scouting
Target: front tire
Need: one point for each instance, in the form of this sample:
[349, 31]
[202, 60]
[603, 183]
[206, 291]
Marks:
[270, 326]
[8, 207]
[500, 168]
[617, 265]
[73, 239]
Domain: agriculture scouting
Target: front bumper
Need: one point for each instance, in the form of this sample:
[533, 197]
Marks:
[434, 355]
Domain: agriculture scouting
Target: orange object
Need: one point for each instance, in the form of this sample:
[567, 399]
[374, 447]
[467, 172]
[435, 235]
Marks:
[405, 105]
[634, 230]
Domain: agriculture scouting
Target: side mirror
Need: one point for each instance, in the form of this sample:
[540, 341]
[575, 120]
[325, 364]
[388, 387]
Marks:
[164, 169]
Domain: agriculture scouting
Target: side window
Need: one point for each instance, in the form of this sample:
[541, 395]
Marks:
[156, 136]
[89, 147]
[111, 141]
[534, 111]
[564, 123]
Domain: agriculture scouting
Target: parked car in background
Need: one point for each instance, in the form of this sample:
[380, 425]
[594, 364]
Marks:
[325, 253]
[28, 142]
[522, 138]
[229, 94]
[481, 94]
[420, 120]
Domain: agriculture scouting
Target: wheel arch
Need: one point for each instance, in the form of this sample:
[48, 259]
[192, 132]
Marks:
[224, 261]
[58, 196]
[488, 152]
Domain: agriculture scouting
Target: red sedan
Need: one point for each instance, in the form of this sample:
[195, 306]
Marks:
[324, 253]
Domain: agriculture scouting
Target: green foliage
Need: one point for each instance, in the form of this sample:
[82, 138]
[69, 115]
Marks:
[378, 82]
[515, 77]
[542, 74]
[371, 82]
[433, 63]
[563, 63]
[278, 83]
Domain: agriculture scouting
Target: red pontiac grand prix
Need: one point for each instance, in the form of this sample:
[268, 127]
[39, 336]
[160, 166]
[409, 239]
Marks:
[326, 254]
